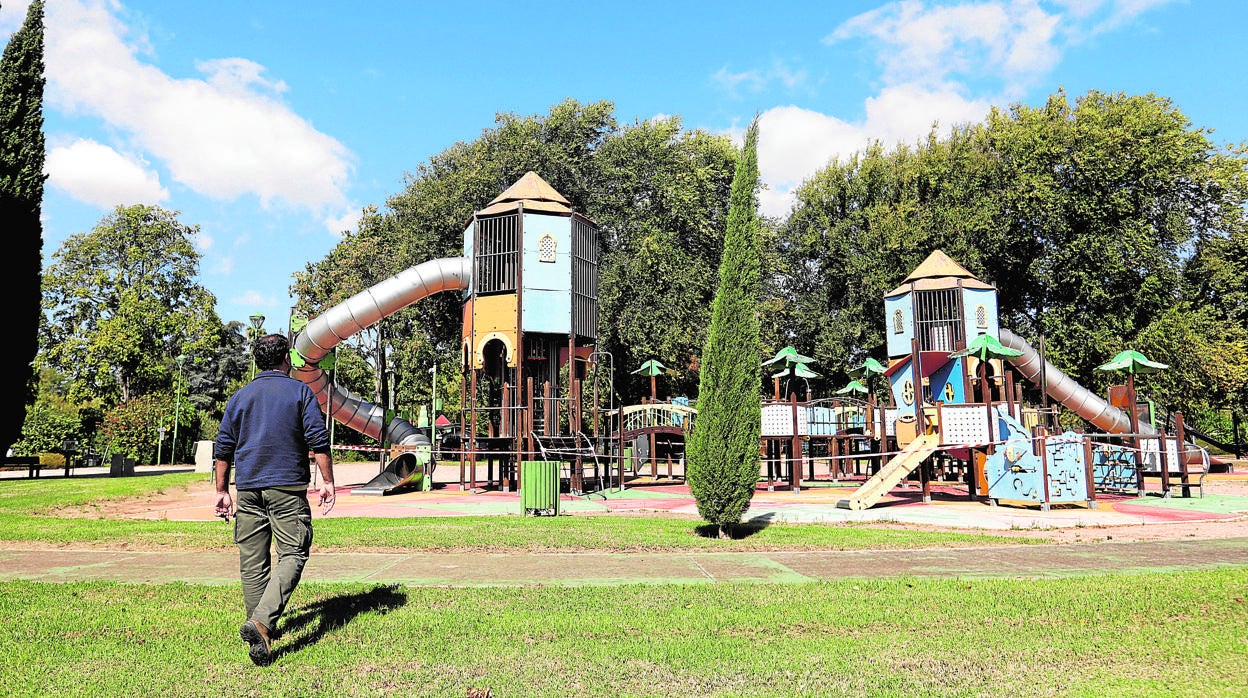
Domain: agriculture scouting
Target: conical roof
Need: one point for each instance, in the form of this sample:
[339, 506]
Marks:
[532, 191]
[938, 271]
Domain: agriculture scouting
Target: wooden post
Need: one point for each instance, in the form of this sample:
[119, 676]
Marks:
[530, 414]
[766, 460]
[463, 430]
[508, 429]
[472, 439]
[1163, 456]
[916, 378]
[547, 409]
[574, 425]
[1134, 420]
[619, 426]
[986, 392]
[795, 449]
[1044, 470]
[1181, 449]
[1090, 473]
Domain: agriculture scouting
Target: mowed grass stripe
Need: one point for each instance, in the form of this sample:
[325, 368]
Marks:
[1153, 634]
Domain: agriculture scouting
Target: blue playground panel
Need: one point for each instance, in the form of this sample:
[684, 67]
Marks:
[1016, 473]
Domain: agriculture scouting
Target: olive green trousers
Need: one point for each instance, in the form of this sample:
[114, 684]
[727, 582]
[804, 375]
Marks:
[261, 518]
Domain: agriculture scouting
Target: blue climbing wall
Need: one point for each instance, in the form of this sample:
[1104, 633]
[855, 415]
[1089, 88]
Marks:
[1016, 473]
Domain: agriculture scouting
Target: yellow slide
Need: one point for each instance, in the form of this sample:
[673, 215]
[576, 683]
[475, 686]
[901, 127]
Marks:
[893, 472]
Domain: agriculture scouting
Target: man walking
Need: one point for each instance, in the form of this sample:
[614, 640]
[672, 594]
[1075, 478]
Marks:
[266, 433]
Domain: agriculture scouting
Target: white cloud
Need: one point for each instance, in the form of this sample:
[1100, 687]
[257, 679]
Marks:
[204, 241]
[794, 143]
[1012, 41]
[96, 174]
[756, 81]
[223, 136]
[224, 266]
[255, 299]
[12, 14]
[346, 223]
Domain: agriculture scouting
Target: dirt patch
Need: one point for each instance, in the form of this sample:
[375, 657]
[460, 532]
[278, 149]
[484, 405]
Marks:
[143, 507]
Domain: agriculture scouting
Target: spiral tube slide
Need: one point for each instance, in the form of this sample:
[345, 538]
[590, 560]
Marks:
[357, 313]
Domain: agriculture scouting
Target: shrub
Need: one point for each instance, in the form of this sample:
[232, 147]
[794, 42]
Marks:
[131, 428]
[45, 429]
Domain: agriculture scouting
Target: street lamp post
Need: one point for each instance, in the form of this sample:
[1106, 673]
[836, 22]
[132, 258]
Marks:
[177, 410]
[257, 326]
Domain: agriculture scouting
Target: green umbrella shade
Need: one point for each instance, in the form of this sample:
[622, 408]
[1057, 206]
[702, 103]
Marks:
[789, 355]
[869, 368]
[651, 368]
[852, 387]
[800, 370]
[985, 347]
[1132, 362]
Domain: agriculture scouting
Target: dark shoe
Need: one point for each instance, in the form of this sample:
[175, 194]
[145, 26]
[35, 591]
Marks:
[255, 634]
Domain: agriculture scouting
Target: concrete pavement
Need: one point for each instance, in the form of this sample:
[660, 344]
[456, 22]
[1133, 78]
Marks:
[598, 569]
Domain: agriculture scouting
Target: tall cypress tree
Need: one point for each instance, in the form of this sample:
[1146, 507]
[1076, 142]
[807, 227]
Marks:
[723, 449]
[21, 197]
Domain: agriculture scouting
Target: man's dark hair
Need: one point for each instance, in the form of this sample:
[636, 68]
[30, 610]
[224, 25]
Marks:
[270, 350]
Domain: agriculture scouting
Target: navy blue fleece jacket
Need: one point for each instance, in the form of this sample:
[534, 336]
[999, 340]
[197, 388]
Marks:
[268, 428]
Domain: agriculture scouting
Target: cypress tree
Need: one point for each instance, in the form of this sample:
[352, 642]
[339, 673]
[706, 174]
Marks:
[21, 197]
[723, 458]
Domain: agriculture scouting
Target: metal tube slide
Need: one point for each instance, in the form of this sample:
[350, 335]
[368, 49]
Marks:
[1082, 401]
[1067, 391]
[357, 313]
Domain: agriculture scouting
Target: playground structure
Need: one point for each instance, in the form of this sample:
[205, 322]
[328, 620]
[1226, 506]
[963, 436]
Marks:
[535, 389]
[945, 345]
[529, 280]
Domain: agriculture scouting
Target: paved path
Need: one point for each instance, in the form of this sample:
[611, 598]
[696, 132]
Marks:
[583, 569]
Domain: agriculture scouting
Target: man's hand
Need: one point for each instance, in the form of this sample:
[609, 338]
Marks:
[225, 505]
[327, 498]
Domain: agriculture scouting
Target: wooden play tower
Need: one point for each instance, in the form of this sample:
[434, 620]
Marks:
[530, 321]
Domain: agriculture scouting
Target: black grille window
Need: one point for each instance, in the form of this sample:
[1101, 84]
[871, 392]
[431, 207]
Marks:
[496, 248]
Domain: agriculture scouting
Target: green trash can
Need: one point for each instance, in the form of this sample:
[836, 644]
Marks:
[539, 487]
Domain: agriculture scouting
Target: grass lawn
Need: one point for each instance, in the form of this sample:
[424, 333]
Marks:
[29, 508]
[1180, 634]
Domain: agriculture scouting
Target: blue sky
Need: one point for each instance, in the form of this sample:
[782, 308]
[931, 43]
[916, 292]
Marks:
[269, 125]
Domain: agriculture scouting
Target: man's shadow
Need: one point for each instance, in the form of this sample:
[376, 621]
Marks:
[311, 623]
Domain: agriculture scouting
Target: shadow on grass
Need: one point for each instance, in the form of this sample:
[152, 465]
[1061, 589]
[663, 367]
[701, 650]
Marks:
[312, 622]
[739, 531]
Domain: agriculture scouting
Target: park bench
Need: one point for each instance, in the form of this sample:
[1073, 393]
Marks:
[30, 462]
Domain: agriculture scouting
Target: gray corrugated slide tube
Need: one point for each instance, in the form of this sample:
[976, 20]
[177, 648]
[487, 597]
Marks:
[1079, 399]
[1067, 391]
[357, 313]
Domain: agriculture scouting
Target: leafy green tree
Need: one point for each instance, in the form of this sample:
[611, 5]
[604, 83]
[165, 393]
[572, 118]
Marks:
[1208, 359]
[123, 300]
[660, 203]
[21, 196]
[723, 448]
[1217, 273]
[1105, 196]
